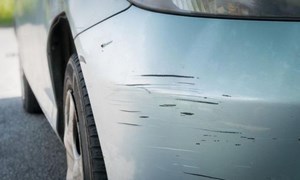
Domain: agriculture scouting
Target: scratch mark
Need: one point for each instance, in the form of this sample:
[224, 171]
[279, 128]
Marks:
[186, 83]
[129, 124]
[189, 166]
[276, 139]
[106, 44]
[147, 90]
[171, 149]
[81, 59]
[226, 95]
[167, 105]
[167, 75]
[129, 111]
[196, 101]
[237, 144]
[202, 175]
[144, 117]
[137, 84]
[187, 113]
[249, 138]
[218, 131]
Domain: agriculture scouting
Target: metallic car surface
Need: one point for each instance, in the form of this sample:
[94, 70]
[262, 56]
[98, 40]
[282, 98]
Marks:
[177, 97]
[34, 19]
[194, 98]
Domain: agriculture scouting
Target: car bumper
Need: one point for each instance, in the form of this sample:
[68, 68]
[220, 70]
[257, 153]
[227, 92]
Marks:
[186, 98]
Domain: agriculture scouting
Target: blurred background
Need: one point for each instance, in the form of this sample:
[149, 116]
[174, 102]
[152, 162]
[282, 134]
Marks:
[6, 12]
[29, 149]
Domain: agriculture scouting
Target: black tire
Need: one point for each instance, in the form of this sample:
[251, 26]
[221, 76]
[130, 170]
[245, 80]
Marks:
[92, 157]
[30, 103]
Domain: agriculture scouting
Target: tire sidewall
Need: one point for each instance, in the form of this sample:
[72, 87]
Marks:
[72, 83]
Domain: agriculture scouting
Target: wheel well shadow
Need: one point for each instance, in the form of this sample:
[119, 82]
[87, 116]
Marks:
[60, 47]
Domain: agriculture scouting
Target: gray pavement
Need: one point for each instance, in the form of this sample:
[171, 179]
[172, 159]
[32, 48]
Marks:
[29, 149]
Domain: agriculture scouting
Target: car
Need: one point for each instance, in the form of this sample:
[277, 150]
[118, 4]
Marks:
[170, 89]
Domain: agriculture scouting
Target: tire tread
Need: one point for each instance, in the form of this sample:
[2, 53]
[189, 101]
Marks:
[97, 160]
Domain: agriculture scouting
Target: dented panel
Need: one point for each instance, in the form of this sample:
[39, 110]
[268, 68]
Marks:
[194, 98]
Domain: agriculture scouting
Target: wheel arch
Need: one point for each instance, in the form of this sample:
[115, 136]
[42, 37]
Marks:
[60, 47]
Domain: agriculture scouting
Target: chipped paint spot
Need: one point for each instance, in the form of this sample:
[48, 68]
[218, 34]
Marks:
[167, 105]
[187, 113]
[198, 144]
[197, 101]
[204, 176]
[167, 75]
[129, 124]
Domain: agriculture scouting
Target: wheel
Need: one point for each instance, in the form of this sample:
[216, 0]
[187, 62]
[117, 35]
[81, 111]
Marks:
[30, 103]
[84, 154]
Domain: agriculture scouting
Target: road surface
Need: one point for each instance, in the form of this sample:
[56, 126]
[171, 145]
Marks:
[29, 148]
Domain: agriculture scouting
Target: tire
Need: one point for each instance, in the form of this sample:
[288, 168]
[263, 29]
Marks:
[80, 130]
[30, 103]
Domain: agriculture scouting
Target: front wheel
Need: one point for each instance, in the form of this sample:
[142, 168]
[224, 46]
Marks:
[84, 154]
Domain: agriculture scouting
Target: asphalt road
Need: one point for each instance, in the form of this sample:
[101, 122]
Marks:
[29, 148]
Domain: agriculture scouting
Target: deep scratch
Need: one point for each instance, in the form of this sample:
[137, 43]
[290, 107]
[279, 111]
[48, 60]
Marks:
[144, 117]
[187, 113]
[202, 175]
[197, 101]
[167, 75]
[129, 124]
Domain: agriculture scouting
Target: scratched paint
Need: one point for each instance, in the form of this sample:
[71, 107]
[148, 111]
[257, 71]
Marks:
[238, 78]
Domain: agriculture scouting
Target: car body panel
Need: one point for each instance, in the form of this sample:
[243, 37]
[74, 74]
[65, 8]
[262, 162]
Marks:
[82, 15]
[34, 19]
[194, 98]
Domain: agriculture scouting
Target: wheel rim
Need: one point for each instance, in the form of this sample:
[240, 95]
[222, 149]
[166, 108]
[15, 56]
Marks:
[72, 140]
